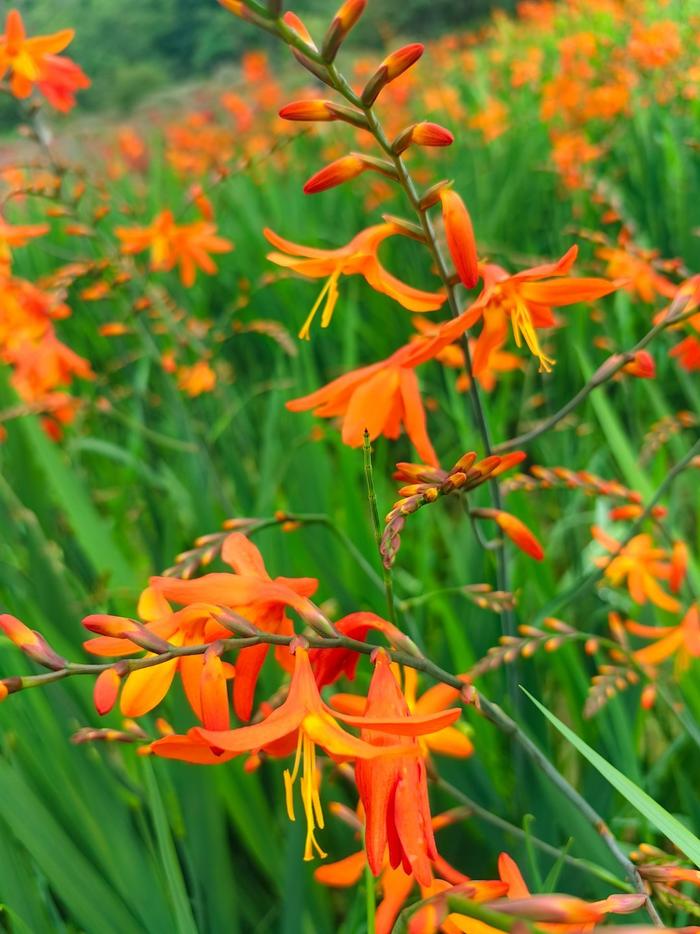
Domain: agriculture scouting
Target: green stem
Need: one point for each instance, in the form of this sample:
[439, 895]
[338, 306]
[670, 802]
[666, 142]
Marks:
[370, 901]
[376, 525]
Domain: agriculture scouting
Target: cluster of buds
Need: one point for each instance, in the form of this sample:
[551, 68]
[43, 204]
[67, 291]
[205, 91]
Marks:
[662, 431]
[606, 684]
[529, 640]
[664, 873]
[424, 484]
[547, 478]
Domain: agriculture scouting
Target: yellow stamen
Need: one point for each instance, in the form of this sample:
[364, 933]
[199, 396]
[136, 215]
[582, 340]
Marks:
[306, 759]
[524, 329]
[330, 293]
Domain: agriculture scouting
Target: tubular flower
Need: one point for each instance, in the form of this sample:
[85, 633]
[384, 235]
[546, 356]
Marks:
[184, 245]
[446, 742]
[558, 914]
[379, 398]
[145, 688]
[682, 640]
[641, 564]
[528, 301]
[35, 62]
[254, 595]
[358, 257]
[394, 791]
[305, 721]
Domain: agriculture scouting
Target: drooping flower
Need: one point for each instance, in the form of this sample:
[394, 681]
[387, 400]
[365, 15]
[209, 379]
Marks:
[303, 721]
[394, 791]
[35, 62]
[358, 257]
[527, 299]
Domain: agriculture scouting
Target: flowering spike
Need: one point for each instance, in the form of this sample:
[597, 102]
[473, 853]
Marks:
[32, 643]
[460, 237]
[392, 66]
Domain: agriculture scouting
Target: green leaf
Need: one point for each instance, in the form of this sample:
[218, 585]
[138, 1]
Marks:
[666, 823]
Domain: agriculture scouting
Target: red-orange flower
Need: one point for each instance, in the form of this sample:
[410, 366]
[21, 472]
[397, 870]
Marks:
[35, 62]
[394, 791]
[304, 721]
[527, 299]
[358, 257]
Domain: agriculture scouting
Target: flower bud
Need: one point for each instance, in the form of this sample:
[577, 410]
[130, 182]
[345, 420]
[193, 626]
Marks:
[642, 365]
[309, 110]
[344, 169]
[422, 134]
[106, 690]
[32, 643]
[296, 25]
[343, 22]
[460, 237]
[679, 565]
[392, 66]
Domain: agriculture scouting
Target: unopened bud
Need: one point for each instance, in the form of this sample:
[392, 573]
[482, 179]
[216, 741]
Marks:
[392, 66]
[460, 237]
[106, 690]
[343, 21]
[422, 134]
[32, 643]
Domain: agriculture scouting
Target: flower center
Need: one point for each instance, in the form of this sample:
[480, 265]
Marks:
[305, 761]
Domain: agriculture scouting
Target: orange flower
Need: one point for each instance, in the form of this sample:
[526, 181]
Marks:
[358, 257]
[641, 564]
[636, 267]
[528, 302]
[394, 791]
[196, 379]
[186, 245]
[34, 61]
[379, 398]
[682, 640]
[253, 594]
[145, 688]
[396, 885]
[307, 721]
[558, 914]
